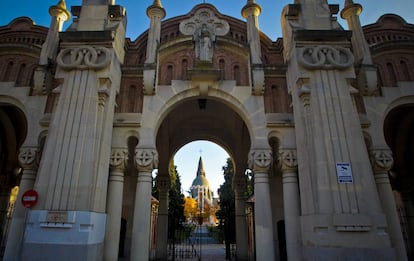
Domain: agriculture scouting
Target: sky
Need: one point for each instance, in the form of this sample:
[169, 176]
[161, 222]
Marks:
[269, 20]
[214, 157]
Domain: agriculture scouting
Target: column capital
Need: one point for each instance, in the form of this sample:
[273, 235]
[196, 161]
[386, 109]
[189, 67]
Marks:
[260, 159]
[119, 158]
[381, 160]
[239, 183]
[29, 157]
[146, 159]
[163, 183]
[288, 160]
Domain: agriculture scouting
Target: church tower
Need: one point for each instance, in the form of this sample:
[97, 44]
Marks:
[200, 188]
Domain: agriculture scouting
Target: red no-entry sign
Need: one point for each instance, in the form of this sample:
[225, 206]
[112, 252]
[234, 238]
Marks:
[29, 198]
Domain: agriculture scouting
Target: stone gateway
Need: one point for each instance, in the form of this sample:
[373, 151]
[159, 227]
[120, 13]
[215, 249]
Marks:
[322, 117]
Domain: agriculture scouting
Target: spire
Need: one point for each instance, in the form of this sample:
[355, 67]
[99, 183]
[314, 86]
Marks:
[157, 3]
[348, 3]
[156, 7]
[200, 170]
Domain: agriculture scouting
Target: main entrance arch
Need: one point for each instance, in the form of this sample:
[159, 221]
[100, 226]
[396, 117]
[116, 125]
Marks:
[398, 129]
[207, 119]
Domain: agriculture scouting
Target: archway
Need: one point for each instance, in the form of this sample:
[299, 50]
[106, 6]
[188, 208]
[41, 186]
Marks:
[202, 119]
[398, 131]
[13, 130]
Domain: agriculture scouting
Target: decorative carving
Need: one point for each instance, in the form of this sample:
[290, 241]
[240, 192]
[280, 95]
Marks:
[260, 160]
[146, 159]
[119, 158]
[381, 160]
[288, 160]
[239, 183]
[325, 57]
[84, 57]
[204, 26]
[163, 183]
[28, 157]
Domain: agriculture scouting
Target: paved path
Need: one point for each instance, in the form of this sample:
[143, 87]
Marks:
[210, 252]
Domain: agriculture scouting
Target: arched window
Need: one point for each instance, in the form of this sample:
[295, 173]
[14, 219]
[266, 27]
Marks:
[21, 77]
[236, 74]
[222, 67]
[9, 68]
[184, 68]
[404, 71]
[169, 75]
[391, 73]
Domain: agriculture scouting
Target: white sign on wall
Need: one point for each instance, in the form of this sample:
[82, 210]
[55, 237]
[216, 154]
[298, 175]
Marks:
[344, 172]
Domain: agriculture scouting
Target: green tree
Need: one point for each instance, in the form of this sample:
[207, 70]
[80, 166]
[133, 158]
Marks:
[176, 202]
[226, 213]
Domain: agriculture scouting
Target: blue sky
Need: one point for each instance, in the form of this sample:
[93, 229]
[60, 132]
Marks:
[213, 156]
[138, 21]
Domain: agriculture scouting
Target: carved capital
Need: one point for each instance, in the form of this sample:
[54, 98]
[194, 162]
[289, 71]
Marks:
[260, 160]
[119, 157]
[29, 157]
[84, 58]
[288, 160]
[239, 183]
[146, 159]
[163, 183]
[381, 160]
[325, 57]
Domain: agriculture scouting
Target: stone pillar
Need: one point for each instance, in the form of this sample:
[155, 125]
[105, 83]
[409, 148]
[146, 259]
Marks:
[156, 13]
[28, 160]
[42, 76]
[146, 160]
[259, 162]
[366, 71]
[382, 162]
[114, 203]
[251, 12]
[291, 203]
[164, 184]
[239, 187]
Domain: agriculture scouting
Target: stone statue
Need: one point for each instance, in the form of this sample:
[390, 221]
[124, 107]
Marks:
[204, 44]
[204, 26]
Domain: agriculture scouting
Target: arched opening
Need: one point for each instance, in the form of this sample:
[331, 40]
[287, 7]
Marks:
[398, 132]
[195, 119]
[13, 130]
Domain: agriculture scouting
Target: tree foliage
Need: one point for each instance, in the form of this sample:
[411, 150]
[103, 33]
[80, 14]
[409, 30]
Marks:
[176, 202]
[190, 208]
[226, 213]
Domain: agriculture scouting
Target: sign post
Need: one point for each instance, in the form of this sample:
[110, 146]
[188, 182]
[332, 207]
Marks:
[343, 172]
[29, 198]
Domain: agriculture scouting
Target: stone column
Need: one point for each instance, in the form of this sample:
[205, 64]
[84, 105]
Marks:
[146, 160]
[382, 162]
[28, 159]
[239, 187]
[259, 162]
[291, 203]
[164, 184]
[251, 12]
[114, 202]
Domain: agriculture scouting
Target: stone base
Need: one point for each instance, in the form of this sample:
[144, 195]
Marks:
[348, 254]
[76, 235]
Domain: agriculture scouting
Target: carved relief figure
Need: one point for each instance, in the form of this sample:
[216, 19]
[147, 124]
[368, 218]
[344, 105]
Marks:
[204, 26]
[204, 44]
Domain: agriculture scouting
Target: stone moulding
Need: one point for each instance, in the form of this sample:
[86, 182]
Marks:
[204, 16]
[325, 57]
[84, 57]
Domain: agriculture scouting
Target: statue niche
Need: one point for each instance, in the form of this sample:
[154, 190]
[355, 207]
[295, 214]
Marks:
[204, 26]
[204, 41]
